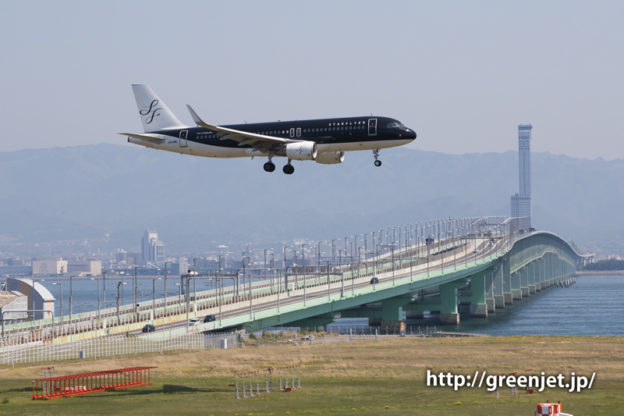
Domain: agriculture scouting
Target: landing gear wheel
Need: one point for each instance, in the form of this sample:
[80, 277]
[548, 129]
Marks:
[288, 169]
[376, 156]
[269, 166]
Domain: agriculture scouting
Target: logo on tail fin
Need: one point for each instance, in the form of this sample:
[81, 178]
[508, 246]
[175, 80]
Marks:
[151, 112]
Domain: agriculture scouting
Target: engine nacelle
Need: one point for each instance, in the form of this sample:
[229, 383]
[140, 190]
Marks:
[304, 150]
[330, 158]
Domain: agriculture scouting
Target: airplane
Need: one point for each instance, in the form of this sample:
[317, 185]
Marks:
[324, 141]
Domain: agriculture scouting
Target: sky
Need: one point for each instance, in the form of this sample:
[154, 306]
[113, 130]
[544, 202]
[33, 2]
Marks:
[462, 74]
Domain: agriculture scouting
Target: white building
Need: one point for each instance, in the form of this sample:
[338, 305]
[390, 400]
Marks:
[86, 268]
[48, 267]
[152, 249]
[38, 298]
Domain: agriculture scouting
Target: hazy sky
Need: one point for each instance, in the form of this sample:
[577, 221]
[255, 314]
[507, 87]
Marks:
[463, 74]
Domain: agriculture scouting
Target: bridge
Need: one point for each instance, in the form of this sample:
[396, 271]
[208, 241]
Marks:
[484, 263]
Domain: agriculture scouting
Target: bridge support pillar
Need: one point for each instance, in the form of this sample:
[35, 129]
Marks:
[516, 287]
[524, 281]
[507, 281]
[532, 270]
[394, 309]
[449, 314]
[497, 286]
[540, 273]
[478, 304]
[489, 292]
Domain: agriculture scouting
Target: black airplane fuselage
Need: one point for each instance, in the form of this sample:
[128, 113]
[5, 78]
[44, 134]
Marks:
[321, 140]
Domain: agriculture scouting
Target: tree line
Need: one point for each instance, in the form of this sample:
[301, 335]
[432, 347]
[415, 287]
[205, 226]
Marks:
[605, 265]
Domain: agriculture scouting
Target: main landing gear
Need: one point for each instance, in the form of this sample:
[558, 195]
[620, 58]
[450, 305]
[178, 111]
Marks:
[376, 155]
[269, 166]
[288, 169]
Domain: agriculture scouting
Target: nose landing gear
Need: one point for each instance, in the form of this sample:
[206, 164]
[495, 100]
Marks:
[376, 155]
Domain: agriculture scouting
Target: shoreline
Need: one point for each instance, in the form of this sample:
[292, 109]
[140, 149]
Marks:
[601, 272]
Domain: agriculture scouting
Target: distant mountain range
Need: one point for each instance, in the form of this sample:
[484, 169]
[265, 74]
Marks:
[111, 193]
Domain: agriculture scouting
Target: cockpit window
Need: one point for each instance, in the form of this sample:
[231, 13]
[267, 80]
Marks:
[395, 124]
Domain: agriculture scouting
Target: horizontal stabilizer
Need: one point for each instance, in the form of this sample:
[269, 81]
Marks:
[153, 139]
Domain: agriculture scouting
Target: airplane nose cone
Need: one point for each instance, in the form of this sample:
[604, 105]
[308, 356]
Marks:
[411, 134]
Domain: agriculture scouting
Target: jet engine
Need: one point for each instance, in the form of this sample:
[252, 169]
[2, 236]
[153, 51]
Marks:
[304, 150]
[330, 158]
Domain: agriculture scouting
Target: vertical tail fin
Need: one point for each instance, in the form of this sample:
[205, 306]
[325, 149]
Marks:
[155, 115]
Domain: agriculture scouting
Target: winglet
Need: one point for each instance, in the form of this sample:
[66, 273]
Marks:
[196, 118]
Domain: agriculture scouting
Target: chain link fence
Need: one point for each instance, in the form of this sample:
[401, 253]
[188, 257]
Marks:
[114, 346]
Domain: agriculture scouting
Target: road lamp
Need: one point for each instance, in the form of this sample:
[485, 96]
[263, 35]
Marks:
[188, 277]
[165, 290]
[304, 273]
[135, 293]
[374, 253]
[359, 260]
[104, 287]
[366, 252]
[352, 282]
[118, 286]
[153, 298]
[70, 299]
[393, 262]
[272, 267]
[98, 303]
[328, 282]
[61, 299]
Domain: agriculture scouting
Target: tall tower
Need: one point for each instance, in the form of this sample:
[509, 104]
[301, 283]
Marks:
[521, 202]
[152, 249]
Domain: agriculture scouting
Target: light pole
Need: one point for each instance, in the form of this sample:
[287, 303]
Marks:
[118, 286]
[359, 259]
[374, 253]
[165, 290]
[265, 264]
[153, 298]
[188, 288]
[455, 244]
[136, 287]
[393, 263]
[341, 284]
[61, 299]
[70, 300]
[284, 259]
[352, 282]
[98, 310]
[304, 273]
[272, 267]
[366, 252]
[328, 282]
[104, 287]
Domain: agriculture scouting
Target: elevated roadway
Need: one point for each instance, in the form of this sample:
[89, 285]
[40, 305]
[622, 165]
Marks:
[488, 267]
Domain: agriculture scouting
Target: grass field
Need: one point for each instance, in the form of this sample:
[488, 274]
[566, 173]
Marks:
[385, 377]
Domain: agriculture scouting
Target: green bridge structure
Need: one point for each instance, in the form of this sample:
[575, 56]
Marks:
[482, 263]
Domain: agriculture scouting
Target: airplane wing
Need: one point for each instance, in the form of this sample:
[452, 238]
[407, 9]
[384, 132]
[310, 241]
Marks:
[260, 142]
[154, 139]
